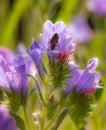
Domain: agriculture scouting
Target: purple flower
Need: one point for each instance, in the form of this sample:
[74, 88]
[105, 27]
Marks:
[7, 54]
[36, 53]
[85, 80]
[14, 75]
[3, 71]
[6, 121]
[97, 6]
[21, 66]
[80, 29]
[21, 50]
[57, 40]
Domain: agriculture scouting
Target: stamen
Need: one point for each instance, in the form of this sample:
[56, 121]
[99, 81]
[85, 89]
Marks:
[54, 40]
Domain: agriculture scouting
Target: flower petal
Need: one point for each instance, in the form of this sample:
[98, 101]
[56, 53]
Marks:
[36, 53]
[3, 79]
[48, 28]
[44, 41]
[59, 27]
[87, 81]
[92, 63]
[75, 73]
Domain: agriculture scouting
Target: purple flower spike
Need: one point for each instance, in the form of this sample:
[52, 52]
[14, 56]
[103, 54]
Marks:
[97, 6]
[6, 121]
[85, 80]
[57, 40]
[36, 53]
[80, 29]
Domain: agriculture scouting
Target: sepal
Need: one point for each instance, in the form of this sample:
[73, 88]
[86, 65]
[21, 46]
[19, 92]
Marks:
[80, 105]
[59, 73]
[11, 100]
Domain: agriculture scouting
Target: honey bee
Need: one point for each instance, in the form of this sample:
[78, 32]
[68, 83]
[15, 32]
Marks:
[54, 40]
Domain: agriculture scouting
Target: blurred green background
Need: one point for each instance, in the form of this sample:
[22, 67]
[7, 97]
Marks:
[22, 20]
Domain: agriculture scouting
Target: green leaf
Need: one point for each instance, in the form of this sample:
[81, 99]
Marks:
[31, 96]
[46, 59]
[19, 121]
[38, 87]
[44, 68]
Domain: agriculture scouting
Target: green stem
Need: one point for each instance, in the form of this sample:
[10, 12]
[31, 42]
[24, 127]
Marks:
[43, 117]
[60, 119]
[26, 118]
[44, 107]
[54, 118]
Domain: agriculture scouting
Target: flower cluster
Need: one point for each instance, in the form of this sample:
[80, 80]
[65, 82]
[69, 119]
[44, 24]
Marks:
[58, 43]
[57, 76]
